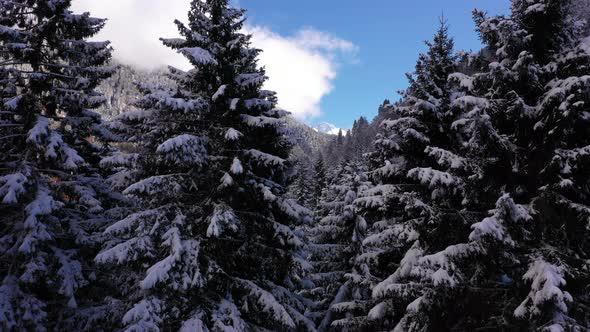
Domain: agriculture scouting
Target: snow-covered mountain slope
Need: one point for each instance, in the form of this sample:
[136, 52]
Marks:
[328, 128]
[121, 89]
[306, 137]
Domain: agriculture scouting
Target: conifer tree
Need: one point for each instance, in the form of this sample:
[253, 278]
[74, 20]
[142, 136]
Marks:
[511, 271]
[532, 95]
[414, 202]
[319, 181]
[340, 138]
[339, 280]
[212, 245]
[52, 197]
[562, 196]
[360, 138]
[302, 187]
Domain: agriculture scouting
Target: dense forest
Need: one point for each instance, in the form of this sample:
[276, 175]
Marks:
[174, 200]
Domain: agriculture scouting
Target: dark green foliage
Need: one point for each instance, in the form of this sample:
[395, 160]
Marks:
[54, 199]
[213, 240]
[510, 143]
[336, 244]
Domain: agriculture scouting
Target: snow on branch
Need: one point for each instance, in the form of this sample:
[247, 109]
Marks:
[194, 324]
[440, 268]
[391, 235]
[494, 227]
[379, 311]
[127, 251]
[16, 304]
[232, 135]
[12, 104]
[133, 220]
[236, 167]
[261, 121]
[222, 218]
[292, 208]
[265, 158]
[120, 160]
[180, 104]
[434, 178]
[251, 79]
[157, 97]
[39, 131]
[144, 316]
[13, 185]
[183, 149]
[8, 31]
[446, 158]
[404, 270]
[180, 269]
[154, 185]
[227, 317]
[257, 103]
[268, 303]
[466, 102]
[198, 55]
[286, 235]
[51, 143]
[405, 122]
[376, 197]
[561, 91]
[70, 274]
[464, 81]
[173, 42]
[546, 294]
[220, 92]
[42, 205]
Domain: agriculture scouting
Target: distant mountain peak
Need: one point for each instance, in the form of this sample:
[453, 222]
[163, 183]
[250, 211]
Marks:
[328, 128]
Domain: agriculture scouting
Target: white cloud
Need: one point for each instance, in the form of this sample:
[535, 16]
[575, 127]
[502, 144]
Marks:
[301, 67]
[314, 39]
[135, 26]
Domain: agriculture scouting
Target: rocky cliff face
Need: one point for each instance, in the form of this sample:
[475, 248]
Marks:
[121, 89]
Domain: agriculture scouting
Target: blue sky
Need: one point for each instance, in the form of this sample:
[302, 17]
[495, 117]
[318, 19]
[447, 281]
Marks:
[328, 60]
[388, 33]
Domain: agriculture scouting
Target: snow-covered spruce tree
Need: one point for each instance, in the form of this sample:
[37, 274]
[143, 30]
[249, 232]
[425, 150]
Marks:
[416, 201]
[523, 267]
[557, 168]
[53, 200]
[211, 246]
[340, 287]
[319, 180]
[301, 187]
[360, 138]
[334, 150]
